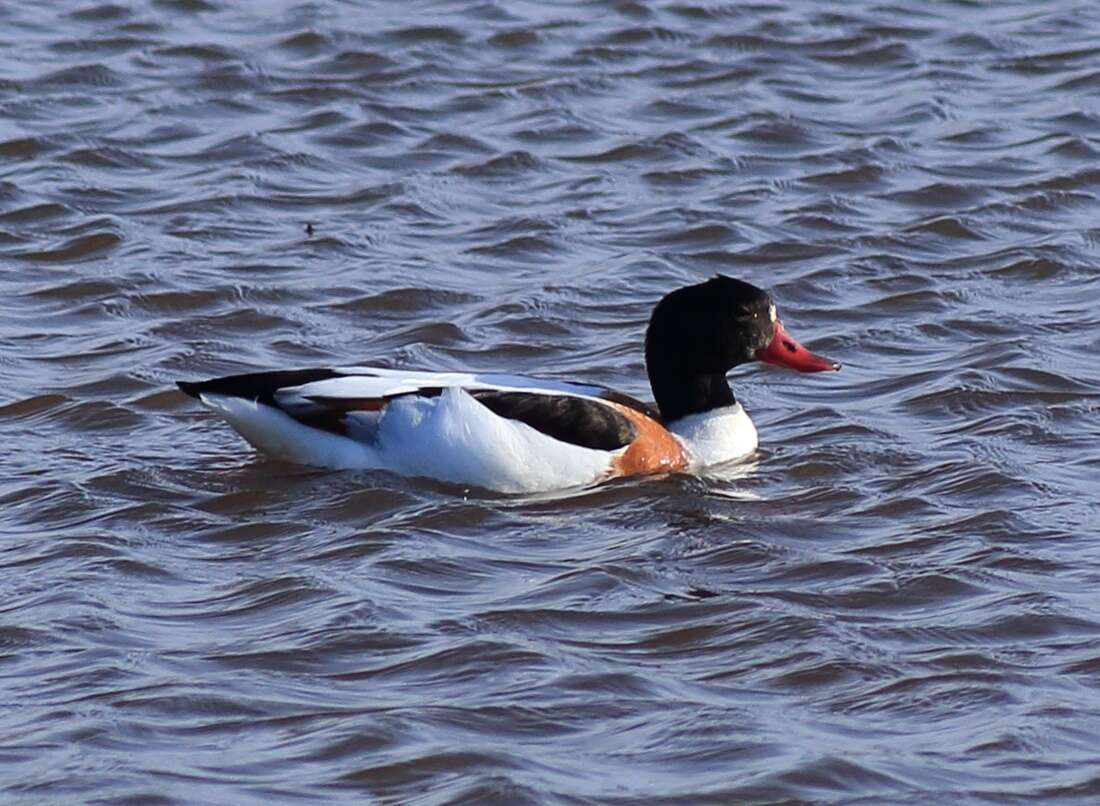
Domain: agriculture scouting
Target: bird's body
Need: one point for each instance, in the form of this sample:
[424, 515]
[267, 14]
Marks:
[514, 433]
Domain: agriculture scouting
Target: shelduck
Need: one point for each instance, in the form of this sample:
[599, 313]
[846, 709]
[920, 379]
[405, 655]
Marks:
[519, 434]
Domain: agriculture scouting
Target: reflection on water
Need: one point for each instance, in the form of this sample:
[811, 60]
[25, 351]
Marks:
[894, 602]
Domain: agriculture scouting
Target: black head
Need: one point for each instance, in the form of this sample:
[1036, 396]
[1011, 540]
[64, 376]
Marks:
[712, 326]
[699, 333]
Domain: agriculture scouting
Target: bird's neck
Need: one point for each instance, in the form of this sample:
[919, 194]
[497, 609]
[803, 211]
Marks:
[679, 393]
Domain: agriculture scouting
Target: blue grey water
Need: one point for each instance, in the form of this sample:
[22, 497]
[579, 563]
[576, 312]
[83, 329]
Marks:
[897, 601]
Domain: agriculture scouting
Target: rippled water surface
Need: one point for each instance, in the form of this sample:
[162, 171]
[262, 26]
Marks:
[897, 601]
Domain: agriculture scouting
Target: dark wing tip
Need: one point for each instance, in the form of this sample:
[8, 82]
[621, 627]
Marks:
[189, 388]
[260, 386]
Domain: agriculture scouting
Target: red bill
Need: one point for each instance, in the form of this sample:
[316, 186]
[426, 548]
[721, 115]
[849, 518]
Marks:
[784, 351]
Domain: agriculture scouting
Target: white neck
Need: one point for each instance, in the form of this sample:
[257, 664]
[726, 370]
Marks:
[716, 436]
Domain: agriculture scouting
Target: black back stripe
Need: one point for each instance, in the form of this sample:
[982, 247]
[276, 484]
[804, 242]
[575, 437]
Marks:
[260, 386]
[579, 421]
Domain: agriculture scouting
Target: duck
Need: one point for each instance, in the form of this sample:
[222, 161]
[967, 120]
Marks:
[519, 434]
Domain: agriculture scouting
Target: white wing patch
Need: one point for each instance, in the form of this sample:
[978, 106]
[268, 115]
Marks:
[371, 382]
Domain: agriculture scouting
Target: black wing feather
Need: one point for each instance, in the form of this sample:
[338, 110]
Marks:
[576, 420]
[260, 386]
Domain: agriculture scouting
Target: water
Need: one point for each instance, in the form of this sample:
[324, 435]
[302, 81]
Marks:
[896, 602]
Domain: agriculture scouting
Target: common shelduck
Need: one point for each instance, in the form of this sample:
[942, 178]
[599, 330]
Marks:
[520, 434]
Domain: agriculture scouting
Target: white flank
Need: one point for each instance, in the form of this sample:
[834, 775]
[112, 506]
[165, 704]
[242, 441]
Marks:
[450, 437]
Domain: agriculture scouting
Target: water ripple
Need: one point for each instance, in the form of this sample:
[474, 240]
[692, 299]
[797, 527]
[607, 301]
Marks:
[892, 603]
